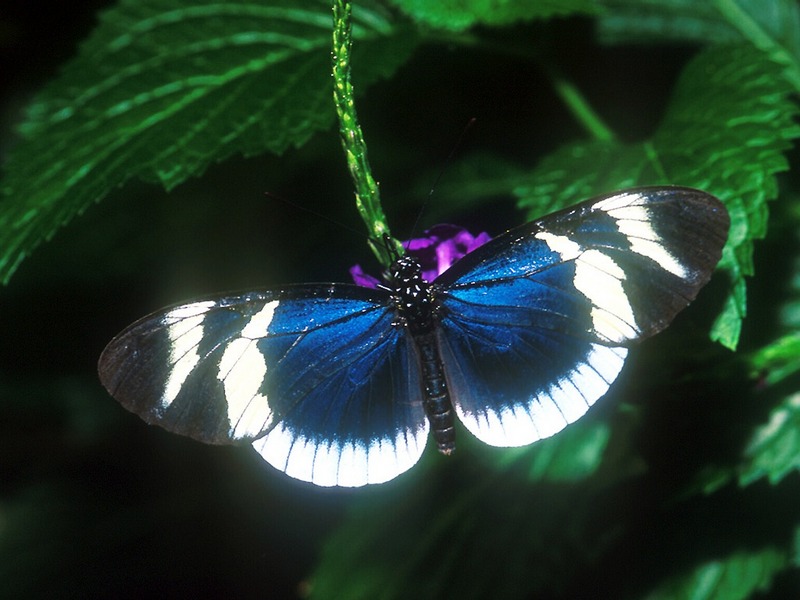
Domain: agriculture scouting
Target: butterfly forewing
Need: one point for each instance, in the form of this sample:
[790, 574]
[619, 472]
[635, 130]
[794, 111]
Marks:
[316, 375]
[618, 267]
[534, 324]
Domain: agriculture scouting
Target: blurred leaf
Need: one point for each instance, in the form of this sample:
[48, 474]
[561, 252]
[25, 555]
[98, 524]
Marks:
[796, 549]
[773, 26]
[648, 21]
[725, 131]
[733, 578]
[458, 15]
[774, 450]
[164, 88]
[570, 455]
[778, 360]
[441, 539]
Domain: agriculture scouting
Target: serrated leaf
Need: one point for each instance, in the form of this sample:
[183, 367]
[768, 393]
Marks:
[581, 170]
[725, 131]
[457, 15]
[733, 578]
[770, 25]
[774, 450]
[163, 88]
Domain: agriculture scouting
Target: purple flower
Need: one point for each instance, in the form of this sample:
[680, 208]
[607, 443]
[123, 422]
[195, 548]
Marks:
[362, 278]
[442, 245]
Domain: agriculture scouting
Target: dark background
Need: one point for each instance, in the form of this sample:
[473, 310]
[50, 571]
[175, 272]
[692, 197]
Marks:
[93, 502]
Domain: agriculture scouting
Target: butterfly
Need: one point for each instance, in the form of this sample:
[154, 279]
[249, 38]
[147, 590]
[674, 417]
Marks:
[341, 385]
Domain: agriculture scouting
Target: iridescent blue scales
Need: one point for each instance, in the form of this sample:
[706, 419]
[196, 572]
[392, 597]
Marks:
[341, 385]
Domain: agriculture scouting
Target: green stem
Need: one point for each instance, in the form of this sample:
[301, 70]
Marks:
[367, 193]
[569, 93]
[577, 104]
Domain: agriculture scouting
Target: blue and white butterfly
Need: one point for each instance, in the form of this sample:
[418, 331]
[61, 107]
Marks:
[341, 385]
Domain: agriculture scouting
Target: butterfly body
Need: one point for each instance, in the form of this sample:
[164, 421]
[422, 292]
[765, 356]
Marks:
[341, 385]
[417, 309]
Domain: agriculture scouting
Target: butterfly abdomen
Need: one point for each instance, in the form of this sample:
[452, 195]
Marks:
[438, 407]
[416, 309]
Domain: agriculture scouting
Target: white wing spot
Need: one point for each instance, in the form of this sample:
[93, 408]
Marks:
[185, 330]
[560, 244]
[188, 310]
[635, 223]
[242, 370]
[260, 322]
[622, 200]
[600, 279]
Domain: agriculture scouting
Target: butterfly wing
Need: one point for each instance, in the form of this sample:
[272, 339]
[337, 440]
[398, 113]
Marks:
[534, 325]
[316, 376]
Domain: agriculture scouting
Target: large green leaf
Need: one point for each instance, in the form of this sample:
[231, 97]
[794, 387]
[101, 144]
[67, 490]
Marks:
[458, 15]
[730, 120]
[163, 88]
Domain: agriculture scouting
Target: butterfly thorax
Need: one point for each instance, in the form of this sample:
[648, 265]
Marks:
[416, 310]
[412, 296]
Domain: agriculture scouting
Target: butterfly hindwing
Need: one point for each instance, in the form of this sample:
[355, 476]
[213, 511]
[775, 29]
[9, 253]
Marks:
[534, 324]
[315, 375]
[513, 385]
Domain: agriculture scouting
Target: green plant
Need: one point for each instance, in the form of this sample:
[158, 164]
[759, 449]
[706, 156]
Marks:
[680, 484]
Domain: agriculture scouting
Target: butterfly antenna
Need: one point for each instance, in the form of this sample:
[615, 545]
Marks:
[447, 161]
[319, 215]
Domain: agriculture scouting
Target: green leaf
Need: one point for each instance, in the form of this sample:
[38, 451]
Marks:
[735, 577]
[796, 549]
[774, 450]
[725, 131]
[570, 455]
[162, 89]
[778, 360]
[435, 539]
[457, 15]
[770, 25]
[648, 21]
